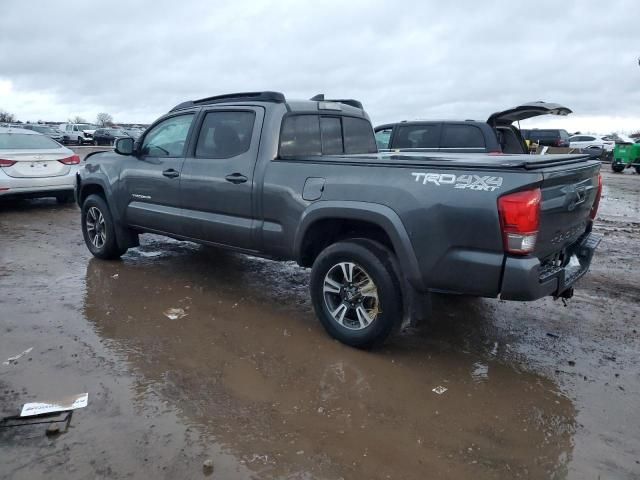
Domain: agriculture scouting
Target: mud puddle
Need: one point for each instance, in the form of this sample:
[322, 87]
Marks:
[246, 377]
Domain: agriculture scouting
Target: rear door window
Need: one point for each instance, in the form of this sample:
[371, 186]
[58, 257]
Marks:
[225, 134]
[462, 136]
[418, 136]
[358, 136]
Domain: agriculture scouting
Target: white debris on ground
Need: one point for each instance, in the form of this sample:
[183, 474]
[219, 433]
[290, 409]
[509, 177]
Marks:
[175, 313]
[439, 390]
[15, 358]
[69, 403]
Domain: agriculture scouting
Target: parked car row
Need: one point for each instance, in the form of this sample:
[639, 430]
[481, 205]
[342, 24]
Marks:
[106, 136]
[50, 132]
[80, 133]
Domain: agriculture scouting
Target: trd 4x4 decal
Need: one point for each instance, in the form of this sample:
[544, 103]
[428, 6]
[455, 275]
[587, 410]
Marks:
[468, 182]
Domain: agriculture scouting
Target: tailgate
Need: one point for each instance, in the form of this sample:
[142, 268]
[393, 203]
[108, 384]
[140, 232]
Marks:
[568, 193]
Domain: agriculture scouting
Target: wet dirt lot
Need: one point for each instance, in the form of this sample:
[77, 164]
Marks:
[248, 379]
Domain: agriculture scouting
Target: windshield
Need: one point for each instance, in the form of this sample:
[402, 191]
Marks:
[23, 141]
[86, 126]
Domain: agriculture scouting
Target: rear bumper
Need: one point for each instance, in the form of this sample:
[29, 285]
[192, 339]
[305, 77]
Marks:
[37, 186]
[526, 279]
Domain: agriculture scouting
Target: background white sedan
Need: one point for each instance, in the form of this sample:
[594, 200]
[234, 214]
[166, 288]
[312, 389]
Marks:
[589, 141]
[33, 165]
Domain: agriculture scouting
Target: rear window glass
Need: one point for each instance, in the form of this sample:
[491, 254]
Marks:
[358, 136]
[331, 133]
[535, 134]
[462, 136]
[300, 136]
[307, 134]
[417, 136]
[19, 141]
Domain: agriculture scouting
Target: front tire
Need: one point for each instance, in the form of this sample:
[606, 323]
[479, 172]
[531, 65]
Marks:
[356, 293]
[617, 167]
[98, 229]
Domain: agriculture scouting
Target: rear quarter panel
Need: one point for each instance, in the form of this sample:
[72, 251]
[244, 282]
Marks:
[448, 216]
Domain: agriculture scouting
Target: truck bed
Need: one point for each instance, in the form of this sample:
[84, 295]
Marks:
[460, 160]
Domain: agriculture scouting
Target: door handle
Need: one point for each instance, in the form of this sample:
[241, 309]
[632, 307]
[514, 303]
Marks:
[171, 173]
[236, 178]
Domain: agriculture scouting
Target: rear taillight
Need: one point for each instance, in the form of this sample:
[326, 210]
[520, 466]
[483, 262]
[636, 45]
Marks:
[520, 219]
[6, 163]
[596, 202]
[72, 160]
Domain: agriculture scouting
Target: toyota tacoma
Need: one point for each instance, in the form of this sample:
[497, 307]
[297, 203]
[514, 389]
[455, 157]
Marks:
[303, 180]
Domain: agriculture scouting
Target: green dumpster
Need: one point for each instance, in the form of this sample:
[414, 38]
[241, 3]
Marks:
[626, 155]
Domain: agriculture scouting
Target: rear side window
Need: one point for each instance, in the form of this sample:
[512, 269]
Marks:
[24, 141]
[300, 136]
[417, 136]
[358, 136]
[331, 133]
[462, 136]
[225, 134]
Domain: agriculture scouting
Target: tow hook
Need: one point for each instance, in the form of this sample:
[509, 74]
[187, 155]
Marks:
[568, 293]
[565, 295]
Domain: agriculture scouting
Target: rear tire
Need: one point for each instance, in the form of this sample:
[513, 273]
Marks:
[98, 229]
[638, 170]
[363, 310]
[79, 141]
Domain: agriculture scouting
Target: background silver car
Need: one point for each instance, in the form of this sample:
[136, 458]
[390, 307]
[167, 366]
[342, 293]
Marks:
[33, 165]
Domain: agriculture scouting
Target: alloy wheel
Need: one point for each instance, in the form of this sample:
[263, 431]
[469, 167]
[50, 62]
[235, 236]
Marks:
[96, 227]
[351, 296]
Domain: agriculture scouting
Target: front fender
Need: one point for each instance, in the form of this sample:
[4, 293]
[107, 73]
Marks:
[92, 178]
[380, 215]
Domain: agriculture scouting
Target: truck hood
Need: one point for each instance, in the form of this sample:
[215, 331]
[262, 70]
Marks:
[527, 110]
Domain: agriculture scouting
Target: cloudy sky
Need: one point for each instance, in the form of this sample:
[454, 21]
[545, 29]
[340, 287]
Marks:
[402, 59]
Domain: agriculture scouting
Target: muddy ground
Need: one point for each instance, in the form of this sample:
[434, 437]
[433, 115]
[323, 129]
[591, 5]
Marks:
[249, 380]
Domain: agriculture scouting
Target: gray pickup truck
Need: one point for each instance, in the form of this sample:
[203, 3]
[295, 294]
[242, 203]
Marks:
[303, 181]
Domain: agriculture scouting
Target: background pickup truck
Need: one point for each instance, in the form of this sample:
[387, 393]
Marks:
[303, 181]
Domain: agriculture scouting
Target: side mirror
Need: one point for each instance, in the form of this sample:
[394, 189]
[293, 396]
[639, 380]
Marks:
[124, 146]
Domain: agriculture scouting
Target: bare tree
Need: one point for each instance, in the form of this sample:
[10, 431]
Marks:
[104, 119]
[7, 117]
[77, 119]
